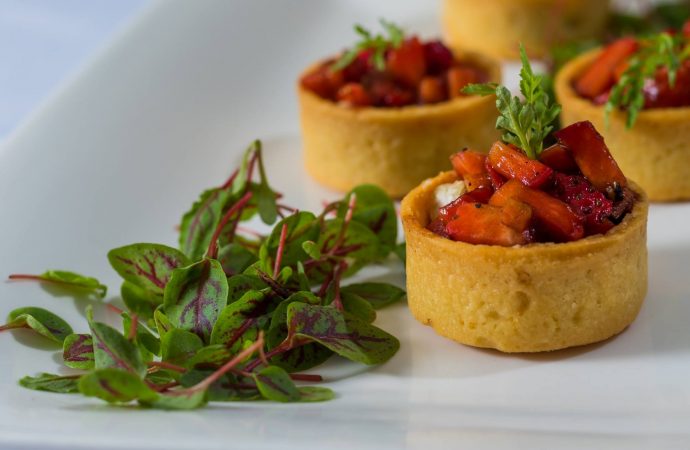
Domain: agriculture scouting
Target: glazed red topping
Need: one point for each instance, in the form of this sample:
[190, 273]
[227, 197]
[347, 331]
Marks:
[596, 82]
[575, 190]
[416, 72]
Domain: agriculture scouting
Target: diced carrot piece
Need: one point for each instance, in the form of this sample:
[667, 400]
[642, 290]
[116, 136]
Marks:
[512, 163]
[599, 77]
[431, 90]
[468, 162]
[459, 77]
[483, 224]
[496, 178]
[517, 215]
[407, 62]
[557, 219]
[353, 94]
[592, 156]
[476, 181]
[559, 158]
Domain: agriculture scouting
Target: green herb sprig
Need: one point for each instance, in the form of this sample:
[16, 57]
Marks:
[527, 122]
[233, 314]
[657, 51]
[378, 44]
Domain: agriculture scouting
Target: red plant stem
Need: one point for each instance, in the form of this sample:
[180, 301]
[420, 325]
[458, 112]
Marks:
[114, 308]
[326, 283]
[164, 387]
[281, 249]
[23, 276]
[167, 365]
[282, 348]
[230, 180]
[133, 327]
[212, 251]
[229, 365]
[337, 301]
[346, 222]
[305, 377]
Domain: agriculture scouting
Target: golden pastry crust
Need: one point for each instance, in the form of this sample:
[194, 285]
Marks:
[529, 298]
[395, 148]
[655, 152]
[495, 27]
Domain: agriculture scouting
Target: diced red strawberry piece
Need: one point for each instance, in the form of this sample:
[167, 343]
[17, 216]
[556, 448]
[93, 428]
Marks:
[438, 57]
[407, 63]
[479, 195]
[385, 92]
[592, 156]
[599, 77]
[585, 200]
[517, 215]
[483, 224]
[512, 163]
[438, 226]
[559, 158]
[468, 162]
[431, 90]
[659, 93]
[557, 219]
[323, 81]
[362, 65]
[353, 94]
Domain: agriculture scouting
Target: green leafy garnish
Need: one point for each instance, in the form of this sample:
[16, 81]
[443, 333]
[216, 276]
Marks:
[233, 315]
[661, 50]
[378, 44]
[526, 123]
[67, 280]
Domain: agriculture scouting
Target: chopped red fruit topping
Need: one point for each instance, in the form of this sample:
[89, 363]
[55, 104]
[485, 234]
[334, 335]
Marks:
[513, 163]
[459, 77]
[439, 58]
[600, 76]
[658, 92]
[496, 178]
[468, 162]
[559, 158]
[554, 216]
[362, 64]
[483, 224]
[353, 94]
[585, 200]
[592, 156]
[432, 90]
[480, 195]
[407, 63]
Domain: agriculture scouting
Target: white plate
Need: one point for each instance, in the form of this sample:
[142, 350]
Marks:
[124, 149]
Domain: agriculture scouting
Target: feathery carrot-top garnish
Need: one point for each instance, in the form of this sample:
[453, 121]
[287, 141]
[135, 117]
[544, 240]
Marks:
[527, 122]
[378, 44]
[662, 52]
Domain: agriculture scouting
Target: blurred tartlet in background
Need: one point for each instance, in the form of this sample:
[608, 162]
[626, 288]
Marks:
[494, 27]
[390, 111]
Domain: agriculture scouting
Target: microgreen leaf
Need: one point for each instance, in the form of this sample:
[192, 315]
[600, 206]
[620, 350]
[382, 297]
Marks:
[141, 302]
[162, 322]
[40, 320]
[178, 346]
[195, 296]
[211, 355]
[378, 294]
[115, 386]
[374, 209]
[239, 284]
[309, 394]
[113, 350]
[340, 332]
[148, 266]
[62, 384]
[525, 123]
[656, 51]
[378, 44]
[311, 249]
[301, 227]
[77, 351]
[235, 259]
[199, 223]
[275, 384]
[242, 320]
[362, 243]
[67, 280]
[177, 401]
[148, 343]
[358, 307]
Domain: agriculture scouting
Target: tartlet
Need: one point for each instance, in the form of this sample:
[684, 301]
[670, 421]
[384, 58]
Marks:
[347, 145]
[494, 26]
[654, 152]
[531, 298]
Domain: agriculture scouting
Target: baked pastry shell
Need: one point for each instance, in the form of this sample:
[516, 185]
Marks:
[532, 298]
[395, 148]
[495, 27]
[654, 152]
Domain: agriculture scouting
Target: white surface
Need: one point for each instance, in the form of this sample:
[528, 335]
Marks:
[123, 151]
[43, 41]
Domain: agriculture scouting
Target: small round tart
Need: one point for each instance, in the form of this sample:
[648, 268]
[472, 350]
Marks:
[654, 152]
[531, 298]
[395, 148]
[495, 27]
